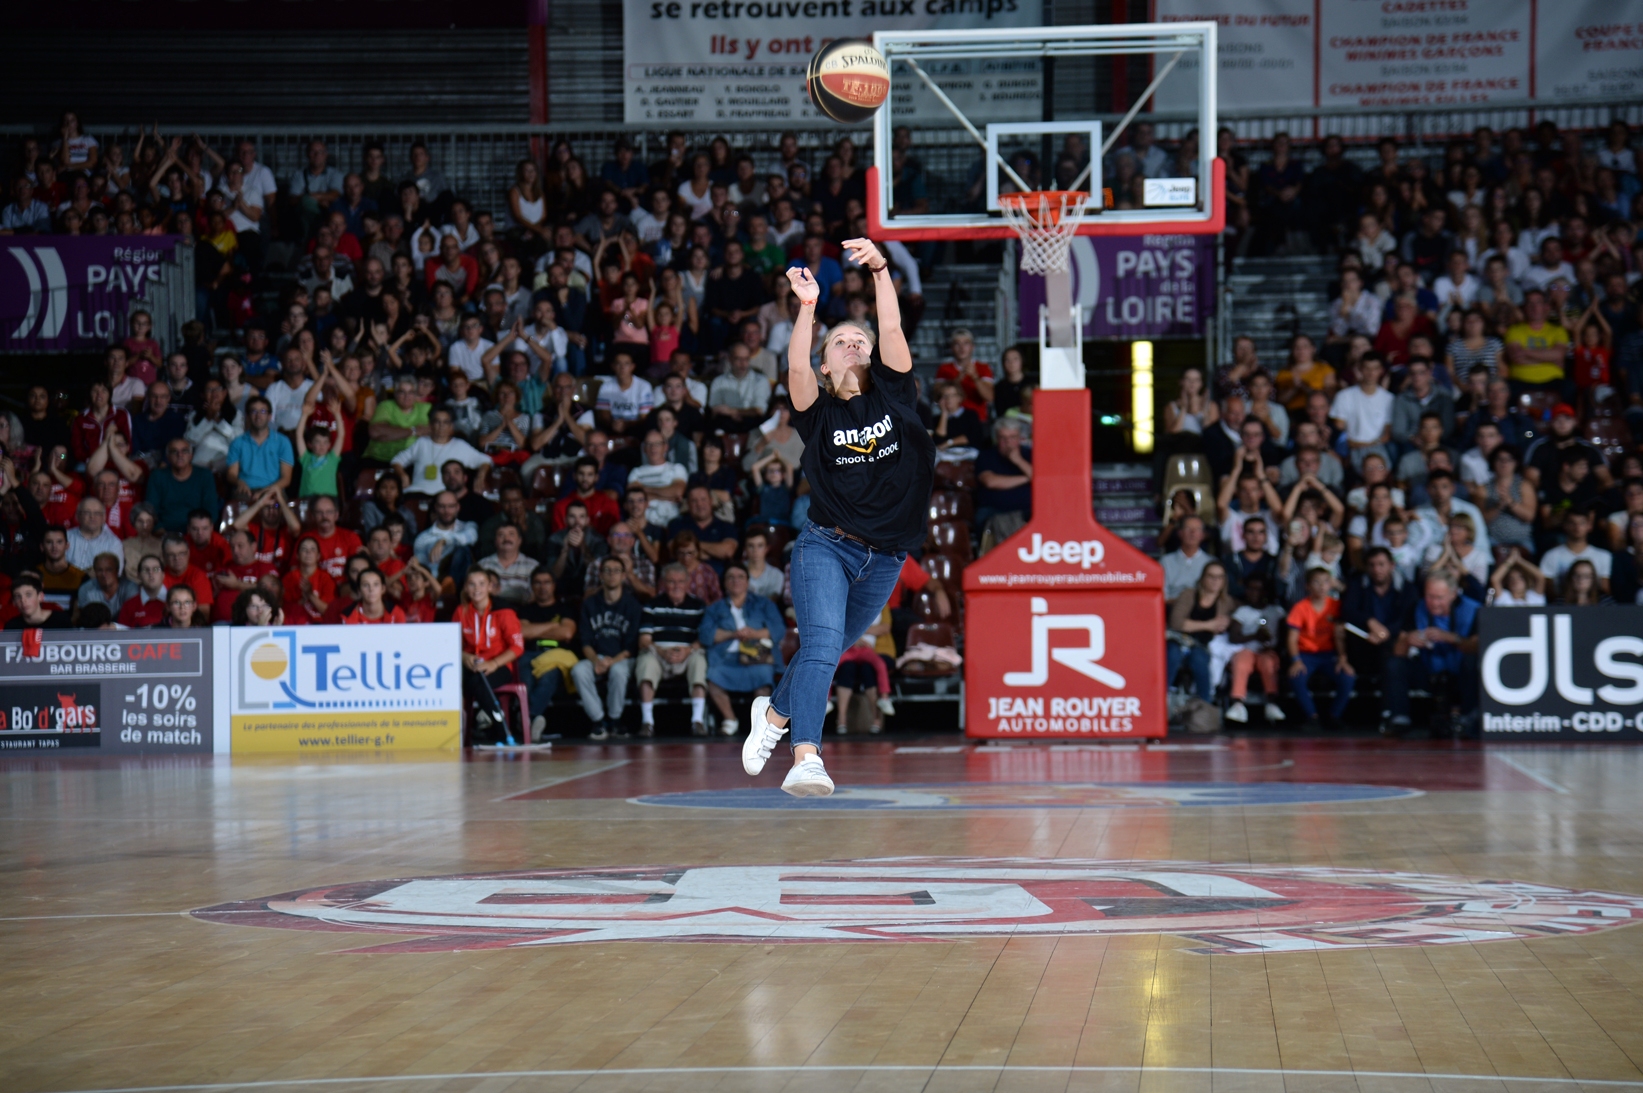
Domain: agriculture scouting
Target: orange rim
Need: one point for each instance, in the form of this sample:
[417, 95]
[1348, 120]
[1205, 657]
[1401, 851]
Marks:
[1047, 203]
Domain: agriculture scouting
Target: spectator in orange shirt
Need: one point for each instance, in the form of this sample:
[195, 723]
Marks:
[491, 642]
[1317, 647]
[174, 553]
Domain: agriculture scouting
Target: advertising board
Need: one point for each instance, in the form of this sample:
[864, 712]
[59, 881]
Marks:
[1572, 673]
[119, 691]
[330, 689]
[1064, 623]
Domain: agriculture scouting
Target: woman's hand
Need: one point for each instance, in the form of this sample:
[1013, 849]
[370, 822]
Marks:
[862, 252]
[804, 285]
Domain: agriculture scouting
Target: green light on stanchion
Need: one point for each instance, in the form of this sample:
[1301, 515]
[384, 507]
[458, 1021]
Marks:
[1141, 427]
[1111, 419]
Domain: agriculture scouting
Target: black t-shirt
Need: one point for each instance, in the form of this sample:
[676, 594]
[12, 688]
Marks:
[536, 614]
[869, 461]
[1014, 499]
[55, 620]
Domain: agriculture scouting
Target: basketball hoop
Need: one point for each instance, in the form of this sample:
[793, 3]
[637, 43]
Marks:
[1046, 221]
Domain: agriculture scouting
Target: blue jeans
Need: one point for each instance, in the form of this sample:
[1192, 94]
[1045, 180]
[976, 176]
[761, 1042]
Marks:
[1322, 664]
[542, 689]
[1197, 659]
[839, 588]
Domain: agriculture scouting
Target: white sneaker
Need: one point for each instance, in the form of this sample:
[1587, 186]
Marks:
[886, 707]
[1274, 712]
[808, 778]
[729, 727]
[1237, 712]
[761, 738]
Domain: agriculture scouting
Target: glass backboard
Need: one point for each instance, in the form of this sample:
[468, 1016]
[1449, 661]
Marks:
[976, 113]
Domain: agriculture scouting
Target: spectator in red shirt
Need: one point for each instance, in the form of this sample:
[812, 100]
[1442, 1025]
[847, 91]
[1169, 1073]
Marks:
[372, 609]
[347, 591]
[491, 642]
[91, 428]
[56, 491]
[603, 511]
[117, 501]
[147, 607]
[418, 602]
[178, 570]
[272, 525]
[207, 551]
[974, 377]
[308, 589]
[242, 572]
[336, 544]
[379, 545]
[460, 271]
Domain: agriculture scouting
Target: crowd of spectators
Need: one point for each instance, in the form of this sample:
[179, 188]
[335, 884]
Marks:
[1459, 434]
[555, 414]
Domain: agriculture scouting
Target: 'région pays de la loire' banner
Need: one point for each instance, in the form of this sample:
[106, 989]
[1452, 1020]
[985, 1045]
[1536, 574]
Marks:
[317, 689]
[732, 63]
[1134, 286]
[1277, 54]
[72, 292]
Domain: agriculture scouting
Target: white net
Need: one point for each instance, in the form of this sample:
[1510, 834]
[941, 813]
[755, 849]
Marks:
[1046, 222]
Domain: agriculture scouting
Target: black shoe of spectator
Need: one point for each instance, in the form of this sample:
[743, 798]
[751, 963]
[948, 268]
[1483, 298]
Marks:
[601, 731]
[618, 731]
[1395, 727]
[647, 730]
[1309, 725]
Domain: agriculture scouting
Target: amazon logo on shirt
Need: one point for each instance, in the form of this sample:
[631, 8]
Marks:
[864, 440]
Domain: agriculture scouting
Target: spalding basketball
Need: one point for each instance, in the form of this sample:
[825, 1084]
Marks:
[848, 80]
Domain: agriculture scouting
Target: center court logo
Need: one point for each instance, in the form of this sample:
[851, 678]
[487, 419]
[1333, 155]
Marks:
[1218, 908]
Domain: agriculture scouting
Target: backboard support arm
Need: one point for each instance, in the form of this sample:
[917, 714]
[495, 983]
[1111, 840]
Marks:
[964, 121]
[1112, 138]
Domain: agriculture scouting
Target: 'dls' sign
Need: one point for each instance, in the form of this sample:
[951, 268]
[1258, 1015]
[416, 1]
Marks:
[346, 688]
[1573, 672]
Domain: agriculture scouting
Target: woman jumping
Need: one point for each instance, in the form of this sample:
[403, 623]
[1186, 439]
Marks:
[870, 465]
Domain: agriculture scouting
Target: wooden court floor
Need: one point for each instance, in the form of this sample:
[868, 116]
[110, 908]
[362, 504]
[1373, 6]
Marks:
[1250, 917]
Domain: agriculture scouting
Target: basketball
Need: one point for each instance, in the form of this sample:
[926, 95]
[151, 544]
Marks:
[848, 80]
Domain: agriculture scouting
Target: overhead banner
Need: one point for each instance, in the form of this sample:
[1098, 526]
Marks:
[1140, 286]
[1265, 57]
[121, 691]
[1572, 673]
[331, 689]
[1403, 54]
[1292, 54]
[729, 63]
[74, 292]
[1588, 49]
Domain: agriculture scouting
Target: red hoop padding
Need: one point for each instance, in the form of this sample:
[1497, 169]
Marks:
[1214, 224]
[1047, 203]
